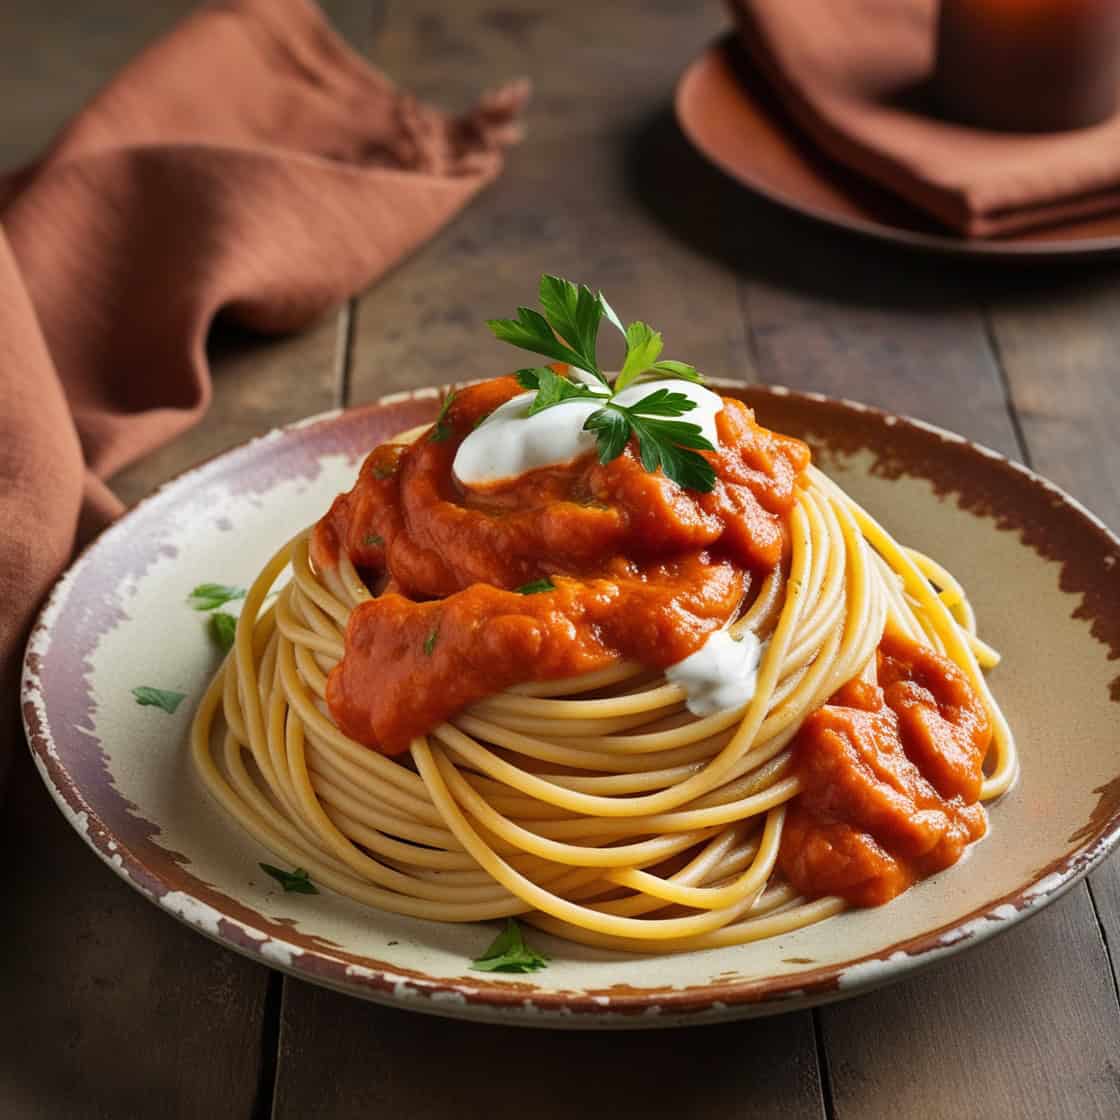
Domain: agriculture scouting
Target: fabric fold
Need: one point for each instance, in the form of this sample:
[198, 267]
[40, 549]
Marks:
[248, 164]
[854, 76]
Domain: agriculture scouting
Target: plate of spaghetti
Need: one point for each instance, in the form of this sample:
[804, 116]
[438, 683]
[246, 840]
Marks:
[576, 698]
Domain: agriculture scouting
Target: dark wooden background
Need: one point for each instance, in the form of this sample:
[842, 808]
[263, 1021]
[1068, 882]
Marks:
[111, 1009]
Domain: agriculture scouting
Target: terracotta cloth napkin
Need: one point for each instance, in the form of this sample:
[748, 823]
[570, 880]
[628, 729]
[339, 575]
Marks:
[248, 163]
[848, 72]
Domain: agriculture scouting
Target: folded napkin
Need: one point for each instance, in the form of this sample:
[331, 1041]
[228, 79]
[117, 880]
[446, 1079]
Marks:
[248, 163]
[851, 73]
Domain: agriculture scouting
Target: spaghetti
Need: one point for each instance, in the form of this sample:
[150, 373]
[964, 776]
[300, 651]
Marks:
[596, 807]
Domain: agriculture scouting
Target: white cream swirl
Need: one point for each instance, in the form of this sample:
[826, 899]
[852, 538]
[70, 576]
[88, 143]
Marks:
[510, 442]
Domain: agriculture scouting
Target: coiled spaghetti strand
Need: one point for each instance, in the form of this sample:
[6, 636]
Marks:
[596, 807]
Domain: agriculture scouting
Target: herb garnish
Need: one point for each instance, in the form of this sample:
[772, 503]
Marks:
[509, 953]
[535, 587]
[295, 882]
[223, 629]
[208, 596]
[430, 642]
[661, 443]
[373, 540]
[568, 332]
[148, 697]
[441, 429]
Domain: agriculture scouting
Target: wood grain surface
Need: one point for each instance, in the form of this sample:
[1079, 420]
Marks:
[114, 1010]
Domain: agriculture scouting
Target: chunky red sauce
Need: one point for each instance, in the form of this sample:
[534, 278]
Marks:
[890, 776]
[642, 568]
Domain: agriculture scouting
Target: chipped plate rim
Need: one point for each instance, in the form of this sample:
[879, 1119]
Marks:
[381, 982]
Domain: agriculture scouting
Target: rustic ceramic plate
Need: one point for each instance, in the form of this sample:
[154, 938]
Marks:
[1042, 573]
[725, 109]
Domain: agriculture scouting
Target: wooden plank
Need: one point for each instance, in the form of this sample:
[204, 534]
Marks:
[831, 315]
[121, 977]
[383, 1062]
[199, 1016]
[570, 201]
[1000, 1031]
[1024, 1026]
[1060, 354]
[113, 1005]
[573, 201]
[55, 56]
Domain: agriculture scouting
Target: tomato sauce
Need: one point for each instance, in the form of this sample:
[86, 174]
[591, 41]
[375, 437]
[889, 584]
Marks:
[890, 780]
[640, 567]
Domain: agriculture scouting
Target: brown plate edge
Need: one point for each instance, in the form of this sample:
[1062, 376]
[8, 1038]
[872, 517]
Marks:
[626, 1007]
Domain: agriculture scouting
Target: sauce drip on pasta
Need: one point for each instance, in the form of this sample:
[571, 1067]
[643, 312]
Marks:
[570, 569]
[890, 779]
[641, 569]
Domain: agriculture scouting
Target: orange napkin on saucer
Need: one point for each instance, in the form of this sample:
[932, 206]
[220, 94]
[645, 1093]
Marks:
[850, 74]
[248, 163]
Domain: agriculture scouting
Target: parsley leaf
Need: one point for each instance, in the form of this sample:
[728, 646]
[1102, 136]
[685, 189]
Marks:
[536, 587]
[509, 953]
[574, 314]
[611, 430]
[677, 369]
[663, 402]
[430, 642]
[668, 444]
[373, 540]
[609, 312]
[671, 445]
[530, 331]
[295, 882]
[553, 389]
[223, 629]
[441, 429]
[208, 596]
[643, 345]
[568, 332]
[164, 698]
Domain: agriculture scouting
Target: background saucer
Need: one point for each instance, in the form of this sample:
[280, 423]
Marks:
[726, 110]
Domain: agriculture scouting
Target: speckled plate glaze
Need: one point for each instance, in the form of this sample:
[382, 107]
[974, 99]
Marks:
[1042, 573]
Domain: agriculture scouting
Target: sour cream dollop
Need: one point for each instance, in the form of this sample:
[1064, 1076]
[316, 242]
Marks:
[722, 674]
[510, 442]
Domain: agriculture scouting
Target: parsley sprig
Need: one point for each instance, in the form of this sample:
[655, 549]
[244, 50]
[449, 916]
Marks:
[509, 953]
[536, 586]
[223, 629]
[293, 882]
[165, 698]
[209, 596]
[441, 429]
[668, 444]
[568, 331]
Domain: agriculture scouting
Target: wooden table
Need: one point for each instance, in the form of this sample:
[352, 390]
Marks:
[111, 1009]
